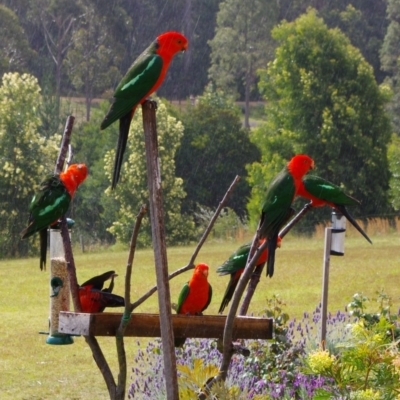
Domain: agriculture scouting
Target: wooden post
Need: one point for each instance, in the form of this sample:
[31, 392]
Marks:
[325, 284]
[159, 246]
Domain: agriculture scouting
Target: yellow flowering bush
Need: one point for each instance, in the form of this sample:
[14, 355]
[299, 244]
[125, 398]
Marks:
[320, 361]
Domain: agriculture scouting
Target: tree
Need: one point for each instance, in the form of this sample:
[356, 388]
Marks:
[56, 19]
[394, 160]
[132, 190]
[323, 100]
[92, 58]
[15, 53]
[25, 156]
[241, 45]
[214, 149]
[390, 59]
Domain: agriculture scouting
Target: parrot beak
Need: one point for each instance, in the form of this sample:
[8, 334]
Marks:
[312, 164]
[278, 243]
[184, 47]
[205, 273]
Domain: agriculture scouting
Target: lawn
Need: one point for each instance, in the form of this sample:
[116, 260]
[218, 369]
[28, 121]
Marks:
[31, 369]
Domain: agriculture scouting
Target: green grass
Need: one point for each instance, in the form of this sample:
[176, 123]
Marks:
[31, 369]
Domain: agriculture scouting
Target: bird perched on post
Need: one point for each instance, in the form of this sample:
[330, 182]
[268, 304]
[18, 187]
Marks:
[51, 202]
[235, 265]
[142, 79]
[276, 209]
[195, 296]
[94, 299]
[324, 193]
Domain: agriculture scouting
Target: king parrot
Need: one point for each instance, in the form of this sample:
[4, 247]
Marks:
[235, 265]
[195, 296]
[324, 193]
[276, 209]
[143, 78]
[94, 299]
[51, 202]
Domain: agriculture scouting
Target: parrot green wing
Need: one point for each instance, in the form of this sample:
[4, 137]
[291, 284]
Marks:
[209, 297]
[325, 190]
[236, 261]
[134, 86]
[182, 296]
[277, 204]
[48, 204]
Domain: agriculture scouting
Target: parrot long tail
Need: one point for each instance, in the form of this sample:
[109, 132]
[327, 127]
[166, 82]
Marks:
[124, 124]
[344, 211]
[43, 249]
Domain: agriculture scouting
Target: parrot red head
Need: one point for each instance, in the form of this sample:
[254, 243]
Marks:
[299, 165]
[201, 269]
[170, 43]
[73, 177]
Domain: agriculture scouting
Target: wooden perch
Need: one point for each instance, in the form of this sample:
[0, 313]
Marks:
[148, 325]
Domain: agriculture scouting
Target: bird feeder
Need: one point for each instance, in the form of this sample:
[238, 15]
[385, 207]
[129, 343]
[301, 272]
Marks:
[338, 233]
[59, 288]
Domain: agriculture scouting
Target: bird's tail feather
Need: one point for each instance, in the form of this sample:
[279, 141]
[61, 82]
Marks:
[344, 211]
[43, 248]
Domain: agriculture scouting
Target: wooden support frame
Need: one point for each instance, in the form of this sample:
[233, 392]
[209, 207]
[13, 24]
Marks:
[148, 325]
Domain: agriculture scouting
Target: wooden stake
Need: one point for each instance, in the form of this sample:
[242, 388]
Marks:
[159, 247]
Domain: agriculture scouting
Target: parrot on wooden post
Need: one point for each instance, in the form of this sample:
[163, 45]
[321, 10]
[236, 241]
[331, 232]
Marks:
[195, 296]
[324, 193]
[51, 202]
[94, 299]
[142, 79]
[276, 209]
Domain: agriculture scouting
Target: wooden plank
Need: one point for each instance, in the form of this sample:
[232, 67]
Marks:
[148, 325]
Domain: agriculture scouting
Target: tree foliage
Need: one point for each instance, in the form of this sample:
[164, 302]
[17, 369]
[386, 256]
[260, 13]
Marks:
[132, 190]
[15, 53]
[26, 157]
[214, 149]
[242, 44]
[323, 100]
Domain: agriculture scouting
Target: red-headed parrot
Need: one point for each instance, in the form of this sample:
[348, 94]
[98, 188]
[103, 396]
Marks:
[276, 209]
[51, 202]
[195, 296]
[94, 299]
[235, 265]
[324, 193]
[143, 78]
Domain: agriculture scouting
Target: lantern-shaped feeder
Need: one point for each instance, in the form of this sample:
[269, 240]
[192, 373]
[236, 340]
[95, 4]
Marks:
[59, 288]
[338, 233]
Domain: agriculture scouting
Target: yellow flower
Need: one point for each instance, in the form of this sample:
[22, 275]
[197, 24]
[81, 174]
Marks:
[320, 361]
[368, 394]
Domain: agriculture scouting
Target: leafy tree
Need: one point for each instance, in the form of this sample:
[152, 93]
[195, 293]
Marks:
[241, 45]
[26, 157]
[214, 149]
[91, 59]
[390, 58]
[15, 53]
[132, 190]
[94, 212]
[394, 160]
[323, 100]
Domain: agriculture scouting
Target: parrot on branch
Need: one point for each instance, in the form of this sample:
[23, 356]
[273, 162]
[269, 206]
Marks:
[143, 78]
[195, 296]
[235, 265]
[94, 299]
[51, 202]
[276, 209]
[324, 193]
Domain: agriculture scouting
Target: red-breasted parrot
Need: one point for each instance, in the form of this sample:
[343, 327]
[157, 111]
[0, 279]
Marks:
[195, 296]
[51, 202]
[276, 209]
[235, 265]
[324, 193]
[94, 299]
[143, 78]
